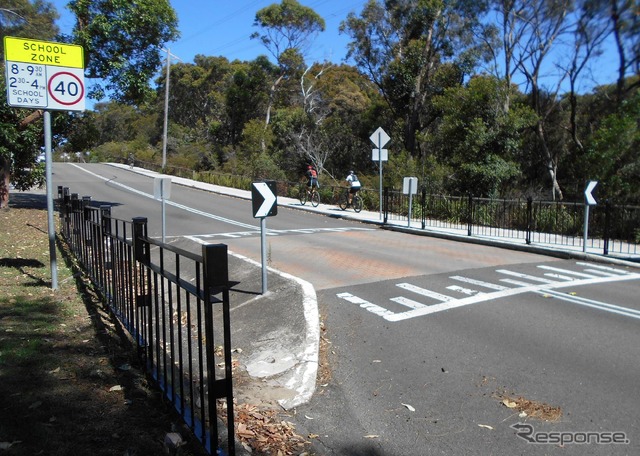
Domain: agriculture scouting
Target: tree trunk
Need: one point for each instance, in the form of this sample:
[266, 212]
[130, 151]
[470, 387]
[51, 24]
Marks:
[4, 183]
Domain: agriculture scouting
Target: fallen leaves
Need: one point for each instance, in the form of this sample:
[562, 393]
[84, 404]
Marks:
[265, 433]
[532, 409]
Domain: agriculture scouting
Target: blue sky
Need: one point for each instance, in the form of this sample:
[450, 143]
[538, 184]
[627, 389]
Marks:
[223, 27]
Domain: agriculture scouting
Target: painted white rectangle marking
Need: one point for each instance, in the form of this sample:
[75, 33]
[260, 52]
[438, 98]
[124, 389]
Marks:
[524, 276]
[567, 271]
[558, 276]
[424, 292]
[373, 308]
[408, 302]
[604, 268]
[480, 283]
[465, 291]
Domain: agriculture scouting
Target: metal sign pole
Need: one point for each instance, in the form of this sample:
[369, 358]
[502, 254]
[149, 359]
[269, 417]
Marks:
[380, 170]
[49, 184]
[263, 248]
[586, 227]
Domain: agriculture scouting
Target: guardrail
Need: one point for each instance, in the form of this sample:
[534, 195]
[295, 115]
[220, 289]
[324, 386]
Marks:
[166, 299]
[612, 228]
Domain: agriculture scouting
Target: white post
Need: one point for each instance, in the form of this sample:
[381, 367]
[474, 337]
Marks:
[263, 248]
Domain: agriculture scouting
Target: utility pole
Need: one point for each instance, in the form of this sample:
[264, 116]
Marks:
[166, 106]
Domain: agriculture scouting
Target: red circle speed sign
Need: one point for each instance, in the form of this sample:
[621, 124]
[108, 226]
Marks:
[65, 88]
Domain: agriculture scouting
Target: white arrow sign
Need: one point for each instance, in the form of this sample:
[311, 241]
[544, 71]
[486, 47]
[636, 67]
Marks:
[591, 201]
[380, 138]
[269, 199]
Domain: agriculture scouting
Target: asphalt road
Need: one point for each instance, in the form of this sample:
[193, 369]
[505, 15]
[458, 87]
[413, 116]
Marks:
[426, 337]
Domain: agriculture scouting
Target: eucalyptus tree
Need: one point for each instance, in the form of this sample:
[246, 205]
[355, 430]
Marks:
[402, 45]
[287, 31]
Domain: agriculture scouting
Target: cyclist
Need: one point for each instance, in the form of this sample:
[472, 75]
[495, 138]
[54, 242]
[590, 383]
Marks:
[354, 186]
[312, 176]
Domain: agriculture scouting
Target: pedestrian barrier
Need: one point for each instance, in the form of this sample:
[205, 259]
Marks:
[612, 228]
[173, 303]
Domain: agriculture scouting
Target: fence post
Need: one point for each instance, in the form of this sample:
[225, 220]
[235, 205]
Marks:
[423, 206]
[607, 225]
[470, 216]
[215, 266]
[529, 219]
[140, 281]
[386, 205]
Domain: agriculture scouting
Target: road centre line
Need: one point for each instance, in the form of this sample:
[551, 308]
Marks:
[171, 203]
[504, 294]
[627, 312]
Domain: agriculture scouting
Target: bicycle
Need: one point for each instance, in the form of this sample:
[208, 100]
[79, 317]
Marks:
[309, 195]
[356, 201]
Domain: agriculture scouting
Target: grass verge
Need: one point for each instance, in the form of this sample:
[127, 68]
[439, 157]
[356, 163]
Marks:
[70, 383]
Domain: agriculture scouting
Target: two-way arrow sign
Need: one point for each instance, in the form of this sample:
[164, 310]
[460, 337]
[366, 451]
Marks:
[263, 198]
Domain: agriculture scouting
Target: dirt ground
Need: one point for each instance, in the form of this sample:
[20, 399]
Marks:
[70, 383]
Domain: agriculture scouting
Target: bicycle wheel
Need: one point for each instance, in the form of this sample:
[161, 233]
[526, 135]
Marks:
[302, 194]
[357, 203]
[315, 198]
[343, 201]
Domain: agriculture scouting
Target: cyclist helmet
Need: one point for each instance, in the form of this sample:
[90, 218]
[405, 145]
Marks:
[350, 172]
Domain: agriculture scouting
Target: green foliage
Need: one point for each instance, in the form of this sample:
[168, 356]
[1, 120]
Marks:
[122, 41]
[287, 26]
[614, 154]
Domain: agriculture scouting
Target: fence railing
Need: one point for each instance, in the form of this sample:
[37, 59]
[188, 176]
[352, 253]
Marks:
[173, 303]
[612, 228]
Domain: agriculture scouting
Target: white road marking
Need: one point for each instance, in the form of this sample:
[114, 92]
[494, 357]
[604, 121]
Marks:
[627, 312]
[601, 273]
[373, 308]
[558, 276]
[604, 268]
[566, 271]
[480, 283]
[424, 292]
[465, 291]
[522, 287]
[408, 302]
[523, 276]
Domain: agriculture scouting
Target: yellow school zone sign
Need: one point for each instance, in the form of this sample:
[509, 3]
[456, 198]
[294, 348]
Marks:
[43, 52]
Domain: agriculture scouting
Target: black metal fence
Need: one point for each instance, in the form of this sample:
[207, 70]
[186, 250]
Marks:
[173, 303]
[612, 228]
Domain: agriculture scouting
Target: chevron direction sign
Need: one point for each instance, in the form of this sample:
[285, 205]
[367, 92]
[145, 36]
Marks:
[264, 199]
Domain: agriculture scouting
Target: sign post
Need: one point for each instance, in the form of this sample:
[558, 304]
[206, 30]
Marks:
[162, 192]
[265, 204]
[380, 138]
[589, 200]
[410, 187]
[45, 75]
